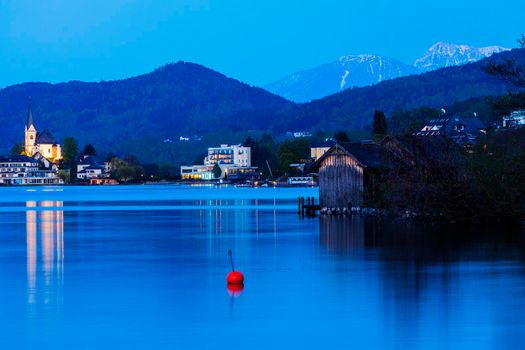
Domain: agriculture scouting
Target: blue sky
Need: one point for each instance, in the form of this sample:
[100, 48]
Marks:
[254, 41]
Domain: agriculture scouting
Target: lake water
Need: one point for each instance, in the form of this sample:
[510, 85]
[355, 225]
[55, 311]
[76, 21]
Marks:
[144, 267]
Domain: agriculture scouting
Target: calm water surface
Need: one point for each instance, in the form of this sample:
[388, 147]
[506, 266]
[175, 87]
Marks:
[144, 267]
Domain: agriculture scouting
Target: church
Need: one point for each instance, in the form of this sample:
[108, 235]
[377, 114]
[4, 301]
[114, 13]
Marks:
[40, 144]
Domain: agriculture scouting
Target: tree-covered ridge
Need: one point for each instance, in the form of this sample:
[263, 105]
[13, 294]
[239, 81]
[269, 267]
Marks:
[177, 99]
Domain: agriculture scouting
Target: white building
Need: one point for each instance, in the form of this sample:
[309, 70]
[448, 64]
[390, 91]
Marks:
[90, 167]
[197, 172]
[24, 170]
[235, 155]
[235, 163]
[300, 134]
[515, 120]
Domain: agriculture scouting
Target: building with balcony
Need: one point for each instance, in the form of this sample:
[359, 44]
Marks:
[234, 161]
[90, 167]
[234, 155]
[24, 170]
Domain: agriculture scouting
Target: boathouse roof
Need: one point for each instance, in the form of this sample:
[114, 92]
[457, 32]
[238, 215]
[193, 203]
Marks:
[368, 155]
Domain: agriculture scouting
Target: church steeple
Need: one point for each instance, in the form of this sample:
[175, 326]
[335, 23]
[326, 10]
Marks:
[30, 116]
[30, 133]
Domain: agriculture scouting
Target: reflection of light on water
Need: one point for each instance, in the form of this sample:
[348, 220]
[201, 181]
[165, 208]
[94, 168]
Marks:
[53, 190]
[50, 225]
[31, 250]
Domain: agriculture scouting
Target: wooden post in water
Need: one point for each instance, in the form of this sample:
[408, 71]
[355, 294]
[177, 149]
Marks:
[302, 205]
[299, 208]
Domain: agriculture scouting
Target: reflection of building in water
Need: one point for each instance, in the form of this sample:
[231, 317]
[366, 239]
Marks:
[44, 224]
[227, 216]
[342, 232]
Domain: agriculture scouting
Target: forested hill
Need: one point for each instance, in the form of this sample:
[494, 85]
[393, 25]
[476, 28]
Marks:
[353, 108]
[136, 115]
[177, 99]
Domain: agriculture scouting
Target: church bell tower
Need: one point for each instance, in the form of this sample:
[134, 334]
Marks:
[30, 134]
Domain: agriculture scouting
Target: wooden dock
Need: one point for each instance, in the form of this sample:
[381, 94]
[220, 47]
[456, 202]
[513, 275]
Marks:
[308, 208]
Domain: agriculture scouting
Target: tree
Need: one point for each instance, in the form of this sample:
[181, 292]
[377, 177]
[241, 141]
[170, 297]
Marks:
[217, 171]
[109, 157]
[17, 149]
[507, 70]
[264, 155]
[70, 154]
[292, 151]
[151, 171]
[125, 172]
[521, 41]
[69, 150]
[341, 136]
[89, 150]
[379, 127]
[254, 150]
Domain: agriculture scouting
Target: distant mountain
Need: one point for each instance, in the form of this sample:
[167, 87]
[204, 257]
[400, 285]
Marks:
[172, 101]
[346, 72]
[365, 70]
[442, 55]
[353, 109]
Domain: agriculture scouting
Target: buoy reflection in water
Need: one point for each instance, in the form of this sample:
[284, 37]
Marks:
[234, 290]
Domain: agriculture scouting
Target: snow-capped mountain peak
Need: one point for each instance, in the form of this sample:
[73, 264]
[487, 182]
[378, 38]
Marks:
[366, 69]
[443, 54]
[347, 71]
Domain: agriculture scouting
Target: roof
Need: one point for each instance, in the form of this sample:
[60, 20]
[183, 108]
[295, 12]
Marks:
[471, 125]
[371, 155]
[422, 150]
[90, 160]
[17, 159]
[325, 144]
[447, 126]
[91, 167]
[400, 151]
[368, 155]
[30, 117]
[45, 138]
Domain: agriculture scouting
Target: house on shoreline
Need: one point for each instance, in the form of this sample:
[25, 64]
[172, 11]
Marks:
[348, 170]
[234, 162]
[91, 168]
[24, 170]
[352, 175]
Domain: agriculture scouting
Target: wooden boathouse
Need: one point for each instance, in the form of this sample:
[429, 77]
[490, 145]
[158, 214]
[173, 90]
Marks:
[348, 172]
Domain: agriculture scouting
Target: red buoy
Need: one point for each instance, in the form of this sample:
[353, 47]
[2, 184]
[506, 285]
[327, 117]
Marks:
[235, 277]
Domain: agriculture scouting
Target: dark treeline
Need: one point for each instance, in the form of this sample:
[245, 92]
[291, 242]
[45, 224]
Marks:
[446, 183]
